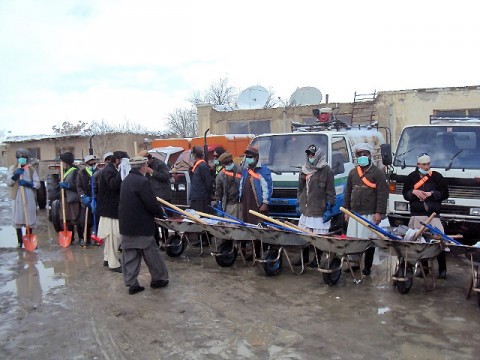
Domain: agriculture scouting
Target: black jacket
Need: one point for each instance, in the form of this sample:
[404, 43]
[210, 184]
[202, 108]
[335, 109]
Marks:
[160, 179]
[108, 196]
[138, 206]
[201, 183]
[436, 184]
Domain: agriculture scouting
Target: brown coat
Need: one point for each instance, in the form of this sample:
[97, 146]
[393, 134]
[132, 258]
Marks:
[362, 198]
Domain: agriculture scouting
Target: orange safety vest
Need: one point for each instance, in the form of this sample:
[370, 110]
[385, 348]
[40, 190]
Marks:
[198, 162]
[253, 174]
[367, 182]
[422, 181]
[230, 173]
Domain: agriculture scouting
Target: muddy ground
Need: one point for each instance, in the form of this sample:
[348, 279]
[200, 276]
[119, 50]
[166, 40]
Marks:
[64, 304]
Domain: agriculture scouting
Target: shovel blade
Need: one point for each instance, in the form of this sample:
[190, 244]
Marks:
[29, 242]
[64, 238]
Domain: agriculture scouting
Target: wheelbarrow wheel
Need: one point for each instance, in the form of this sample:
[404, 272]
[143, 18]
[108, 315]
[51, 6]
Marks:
[175, 245]
[228, 254]
[333, 277]
[272, 267]
[405, 286]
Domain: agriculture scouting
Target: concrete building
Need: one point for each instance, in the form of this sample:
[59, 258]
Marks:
[392, 109]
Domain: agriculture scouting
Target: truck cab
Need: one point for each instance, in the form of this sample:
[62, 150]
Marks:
[284, 155]
[454, 149]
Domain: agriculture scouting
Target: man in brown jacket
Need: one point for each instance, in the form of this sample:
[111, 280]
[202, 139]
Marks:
[366, 194]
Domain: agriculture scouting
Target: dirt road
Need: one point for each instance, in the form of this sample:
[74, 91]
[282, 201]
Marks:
[63, 304]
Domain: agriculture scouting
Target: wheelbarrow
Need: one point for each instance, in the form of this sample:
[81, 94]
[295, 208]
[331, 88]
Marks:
[337, 251]
[471, 255]
[409, 255]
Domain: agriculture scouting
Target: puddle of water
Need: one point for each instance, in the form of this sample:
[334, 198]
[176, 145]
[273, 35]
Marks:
[33, 280]
[8, 237]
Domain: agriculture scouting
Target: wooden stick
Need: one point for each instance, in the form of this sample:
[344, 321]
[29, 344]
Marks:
[184, 213]
[363, 222]
[268, 218]
[423, 227]
[212, 216]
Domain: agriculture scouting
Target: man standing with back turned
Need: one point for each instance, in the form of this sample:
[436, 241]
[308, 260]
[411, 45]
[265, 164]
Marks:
[136, 214]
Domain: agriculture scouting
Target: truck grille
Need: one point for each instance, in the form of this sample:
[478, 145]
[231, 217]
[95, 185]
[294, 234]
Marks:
[461, 192]
[284, 193]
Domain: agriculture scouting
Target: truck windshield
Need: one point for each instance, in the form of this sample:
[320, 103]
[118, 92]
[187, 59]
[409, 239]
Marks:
[286, 152]
[452, 147]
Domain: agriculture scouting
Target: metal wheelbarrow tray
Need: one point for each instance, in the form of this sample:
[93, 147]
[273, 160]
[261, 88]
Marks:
[409, 255]
[336, 252]
[472, 257]
[176, 244]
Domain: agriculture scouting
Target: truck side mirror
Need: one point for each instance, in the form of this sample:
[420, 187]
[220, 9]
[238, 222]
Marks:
[386, 151]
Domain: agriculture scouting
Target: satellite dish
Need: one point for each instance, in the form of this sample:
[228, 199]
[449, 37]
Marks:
[306, 96]
[253, 97]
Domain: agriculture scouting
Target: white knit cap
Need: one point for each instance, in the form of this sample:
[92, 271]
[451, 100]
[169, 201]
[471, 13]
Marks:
[423, 159]
[363, 146]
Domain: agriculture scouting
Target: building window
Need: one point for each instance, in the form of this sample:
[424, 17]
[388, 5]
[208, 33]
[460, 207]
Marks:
[35, 153]
[255, 127]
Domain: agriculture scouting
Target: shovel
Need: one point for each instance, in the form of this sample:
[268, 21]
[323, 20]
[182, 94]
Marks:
[64, 237]
[84, 245]
[29, 240]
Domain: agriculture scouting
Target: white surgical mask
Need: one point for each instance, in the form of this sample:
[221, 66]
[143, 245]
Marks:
[423, 172]
[363, 160]
[22, 161]
[215, 161]
[229, 167]
[249, 161]
[311, 160]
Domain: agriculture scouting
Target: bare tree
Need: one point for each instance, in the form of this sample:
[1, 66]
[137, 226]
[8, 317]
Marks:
[183, 122]
[218, 93]
[67, 128]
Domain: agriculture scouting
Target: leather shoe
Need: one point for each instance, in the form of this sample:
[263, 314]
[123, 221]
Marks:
[158, 284]
[118, 269]
[443, 275]
[105, 263]
[366, 272]
[135, 289]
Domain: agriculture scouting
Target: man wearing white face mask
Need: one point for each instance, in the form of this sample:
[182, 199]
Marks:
[23, 176]
[366, 193]
[227, 185]
[425, 190]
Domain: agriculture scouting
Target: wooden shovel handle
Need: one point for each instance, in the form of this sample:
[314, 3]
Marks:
[423, 227]
[184, 213]
[62, 192]
[268, 218]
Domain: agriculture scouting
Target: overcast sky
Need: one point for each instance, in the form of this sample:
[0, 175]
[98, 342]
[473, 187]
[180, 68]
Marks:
[117, 60]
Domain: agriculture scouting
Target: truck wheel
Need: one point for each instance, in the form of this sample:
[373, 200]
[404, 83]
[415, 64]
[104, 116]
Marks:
[42, 196]
[56, 220]
[228, 254]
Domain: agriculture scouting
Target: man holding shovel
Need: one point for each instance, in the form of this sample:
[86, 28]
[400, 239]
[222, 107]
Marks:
[84, 188]
[22, 178]
[425, 190]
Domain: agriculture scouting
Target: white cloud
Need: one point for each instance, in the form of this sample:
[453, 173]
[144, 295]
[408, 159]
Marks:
[118, 59]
